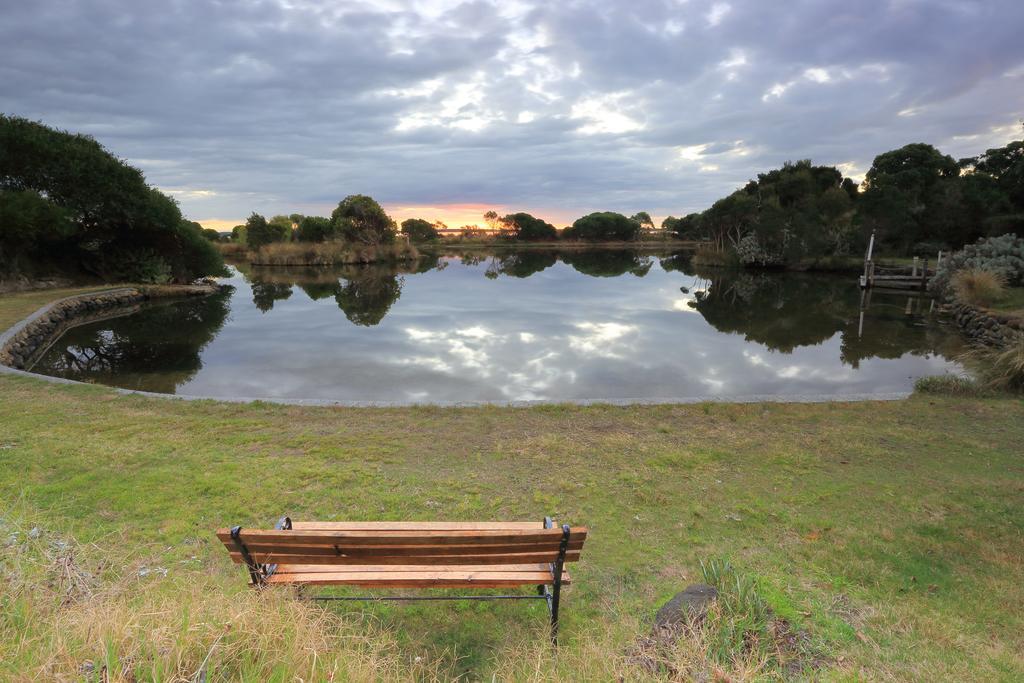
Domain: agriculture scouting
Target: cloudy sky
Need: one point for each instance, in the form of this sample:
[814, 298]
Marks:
[444, 108]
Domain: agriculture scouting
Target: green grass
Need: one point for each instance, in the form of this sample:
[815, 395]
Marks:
[886, 537]
[15, 307]
[1012, 301]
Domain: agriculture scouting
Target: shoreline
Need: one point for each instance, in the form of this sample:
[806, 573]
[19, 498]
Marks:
[8, 335]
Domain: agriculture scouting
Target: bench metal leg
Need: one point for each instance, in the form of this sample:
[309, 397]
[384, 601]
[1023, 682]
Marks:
[555, 594]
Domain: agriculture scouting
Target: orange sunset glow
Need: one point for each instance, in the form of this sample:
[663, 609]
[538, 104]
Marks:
[452, 215]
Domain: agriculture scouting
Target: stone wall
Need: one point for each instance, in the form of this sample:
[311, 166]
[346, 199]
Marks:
[989, 328]
[20, 345]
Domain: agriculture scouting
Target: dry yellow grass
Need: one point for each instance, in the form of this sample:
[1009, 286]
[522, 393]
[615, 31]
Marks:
[978, 287]
[330, 253]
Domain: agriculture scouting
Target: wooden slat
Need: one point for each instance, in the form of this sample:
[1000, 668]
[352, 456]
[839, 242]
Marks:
[416, 526]
[510, 558]
[361, 537]
[313, 568]
[407, 550]
[473, 579]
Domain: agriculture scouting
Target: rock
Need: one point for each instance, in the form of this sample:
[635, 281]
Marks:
[688, 605]
[34, 532]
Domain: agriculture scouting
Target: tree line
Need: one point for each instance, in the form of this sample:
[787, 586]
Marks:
[360, 219]
[915, 199]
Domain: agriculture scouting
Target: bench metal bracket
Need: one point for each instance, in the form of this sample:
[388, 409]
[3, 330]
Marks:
[258, 573]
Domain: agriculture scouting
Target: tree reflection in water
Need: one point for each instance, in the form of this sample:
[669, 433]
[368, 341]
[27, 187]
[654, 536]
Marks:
[462, 321]
[608, 262]
[784, 311]
[158, 350]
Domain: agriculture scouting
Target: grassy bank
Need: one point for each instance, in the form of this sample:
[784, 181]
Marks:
[885, 537]
[1011, 301]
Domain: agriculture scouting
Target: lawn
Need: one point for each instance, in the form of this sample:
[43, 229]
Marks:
[888, 536]
[1012, 301]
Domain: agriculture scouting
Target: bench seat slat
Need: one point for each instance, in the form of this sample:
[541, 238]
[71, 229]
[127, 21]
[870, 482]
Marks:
[411, 550]
[353, 568]
[426, 537]
[508, 558]
[416, 526]
[424, 579]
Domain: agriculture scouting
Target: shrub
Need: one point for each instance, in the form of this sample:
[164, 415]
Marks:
[330, 253]
[314, 229]
[999, 369]
[603, 226]
[420, 230]
[232, 249]
[1000, 255]
[709, 256]
[978, 287]
[526, 228]
[949, 385]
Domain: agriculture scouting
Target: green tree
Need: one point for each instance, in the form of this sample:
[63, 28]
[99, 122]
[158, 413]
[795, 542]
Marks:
[283, 224]
[29, 226]
[1005, 165]
[689, 227]
[909, 197]
[603, 226]
[314, 229]
[420, 230]
[238, 234]
[523, 227]
[121, 228]
[643, 219]
[259, 232]
[359, 218]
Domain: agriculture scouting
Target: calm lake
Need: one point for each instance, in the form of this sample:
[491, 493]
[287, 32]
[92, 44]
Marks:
[516, 325]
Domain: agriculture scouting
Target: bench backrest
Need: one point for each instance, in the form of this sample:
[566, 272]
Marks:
[404, 543]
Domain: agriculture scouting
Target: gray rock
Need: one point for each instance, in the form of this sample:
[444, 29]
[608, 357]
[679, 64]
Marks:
[34, 532]
[688, 605]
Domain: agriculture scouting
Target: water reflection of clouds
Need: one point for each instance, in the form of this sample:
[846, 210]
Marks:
[456, 335]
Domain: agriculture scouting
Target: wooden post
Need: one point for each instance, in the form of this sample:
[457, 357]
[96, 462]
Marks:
[867, 261]
[924, 275]
[913, 273]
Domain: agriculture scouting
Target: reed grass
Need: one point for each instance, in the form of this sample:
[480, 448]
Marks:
[716, 258]
[999, 368]
[978, 287]
[330, 253]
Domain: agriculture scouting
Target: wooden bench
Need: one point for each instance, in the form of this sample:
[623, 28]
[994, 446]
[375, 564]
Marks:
[412, 555]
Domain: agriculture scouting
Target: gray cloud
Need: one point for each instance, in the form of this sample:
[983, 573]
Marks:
[559, 107]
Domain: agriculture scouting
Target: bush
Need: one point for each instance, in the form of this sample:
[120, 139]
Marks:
[1002, 256]
[603, 226]
[526, 228]
[999, 369]
[419, 230]
[949, 385]
[978, 287]
[259, 232]
[314, 229]
[716, 258]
